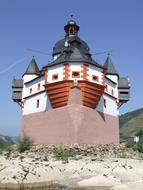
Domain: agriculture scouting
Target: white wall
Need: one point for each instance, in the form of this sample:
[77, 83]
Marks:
[28, 77]
[30, 104]
[30, 100]
[75, 67]
[111, 106]
[57, 69]
[93, 70]
[114, 78]
[34, 85]
[111, 86]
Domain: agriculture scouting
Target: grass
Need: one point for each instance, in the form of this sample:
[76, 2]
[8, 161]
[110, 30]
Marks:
[5, 147]
[63, 153]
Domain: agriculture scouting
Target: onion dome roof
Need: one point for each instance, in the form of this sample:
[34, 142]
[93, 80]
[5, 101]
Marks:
[61, 45]
[71, 48]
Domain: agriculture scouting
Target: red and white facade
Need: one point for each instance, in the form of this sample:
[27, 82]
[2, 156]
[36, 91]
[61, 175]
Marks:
[71, 101]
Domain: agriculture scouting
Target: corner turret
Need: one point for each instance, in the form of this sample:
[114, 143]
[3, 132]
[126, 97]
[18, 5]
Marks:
[32, 71]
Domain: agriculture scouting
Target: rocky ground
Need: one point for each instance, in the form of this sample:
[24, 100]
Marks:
[88, 167]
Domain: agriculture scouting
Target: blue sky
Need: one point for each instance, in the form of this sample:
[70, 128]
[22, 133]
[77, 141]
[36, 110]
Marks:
[104, 24]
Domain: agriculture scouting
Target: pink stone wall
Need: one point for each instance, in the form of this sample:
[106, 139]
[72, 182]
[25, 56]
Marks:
[70, 125]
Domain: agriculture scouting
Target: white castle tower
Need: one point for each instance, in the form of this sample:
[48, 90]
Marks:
[73, 99]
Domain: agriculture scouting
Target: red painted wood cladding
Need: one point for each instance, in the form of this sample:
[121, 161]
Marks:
[91, 93]
[58, 93]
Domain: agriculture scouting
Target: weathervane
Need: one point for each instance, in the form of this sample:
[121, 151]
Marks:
[71, 15]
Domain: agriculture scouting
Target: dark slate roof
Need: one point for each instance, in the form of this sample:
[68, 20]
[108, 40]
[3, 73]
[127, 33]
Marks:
[59, 47]
[74, 54]
[110, 69]
[123, 82]
[17, 83]
[33, 68]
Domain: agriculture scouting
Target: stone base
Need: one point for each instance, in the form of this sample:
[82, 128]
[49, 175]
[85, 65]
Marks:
[72, 124]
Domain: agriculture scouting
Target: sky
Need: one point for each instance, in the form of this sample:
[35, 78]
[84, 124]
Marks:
[106, 25]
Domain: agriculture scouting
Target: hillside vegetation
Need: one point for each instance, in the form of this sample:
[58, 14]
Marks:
[131, 123]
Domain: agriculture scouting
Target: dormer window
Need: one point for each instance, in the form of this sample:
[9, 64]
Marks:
[76, 74]
[55, 77]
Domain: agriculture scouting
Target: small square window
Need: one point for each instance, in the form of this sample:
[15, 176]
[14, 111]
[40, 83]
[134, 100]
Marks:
[55, 77]
[30, 90]
[95, 78]
[76, 74]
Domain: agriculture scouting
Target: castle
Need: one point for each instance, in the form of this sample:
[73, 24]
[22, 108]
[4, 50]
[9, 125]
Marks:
[73, 99]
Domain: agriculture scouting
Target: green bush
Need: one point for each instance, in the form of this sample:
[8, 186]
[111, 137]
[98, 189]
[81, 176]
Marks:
[63, 153]
[24, 144]
[130, 144]
[140, 146]
[135, 146]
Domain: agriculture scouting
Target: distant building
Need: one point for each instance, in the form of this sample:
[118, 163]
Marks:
[73, 99]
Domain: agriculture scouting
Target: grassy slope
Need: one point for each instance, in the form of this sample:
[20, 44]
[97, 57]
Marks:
[131, 123]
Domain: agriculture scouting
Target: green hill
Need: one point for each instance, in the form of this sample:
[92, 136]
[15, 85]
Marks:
[131, 123]
[5, 140]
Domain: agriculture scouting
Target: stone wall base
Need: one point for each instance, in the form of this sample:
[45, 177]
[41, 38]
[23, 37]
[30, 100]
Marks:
[72, 124]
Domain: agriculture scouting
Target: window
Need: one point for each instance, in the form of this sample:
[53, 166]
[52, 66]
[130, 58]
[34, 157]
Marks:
[38, 87]
[112, 92]
[124, 92]
[55, 77]
[76, 74]
[37, 103]
[95, 78]
[106, 88]
[105, 103]
[30, 90]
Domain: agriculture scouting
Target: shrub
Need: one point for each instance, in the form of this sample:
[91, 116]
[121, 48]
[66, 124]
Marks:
[140, 146]
[135, 146]
[24, 144]
[63, 153]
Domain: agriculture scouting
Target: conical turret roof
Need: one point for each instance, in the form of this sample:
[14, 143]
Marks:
[110, 69]
[33, 68]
